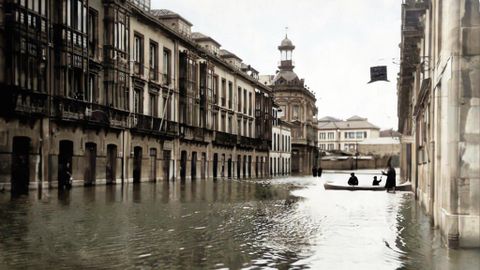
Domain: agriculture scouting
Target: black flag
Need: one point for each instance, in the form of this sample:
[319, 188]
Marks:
[378, 73]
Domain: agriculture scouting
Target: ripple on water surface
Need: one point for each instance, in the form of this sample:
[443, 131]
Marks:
[287, 223]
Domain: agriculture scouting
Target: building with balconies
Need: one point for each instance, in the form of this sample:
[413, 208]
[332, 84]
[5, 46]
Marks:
[439, 112]
[111, 92]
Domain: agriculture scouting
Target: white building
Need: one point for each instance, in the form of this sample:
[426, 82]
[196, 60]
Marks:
[280, 163]
[336, 134]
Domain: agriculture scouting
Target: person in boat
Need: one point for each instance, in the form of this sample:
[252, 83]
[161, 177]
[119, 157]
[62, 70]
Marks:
[353, 180]
[391, 178]
[376, 182]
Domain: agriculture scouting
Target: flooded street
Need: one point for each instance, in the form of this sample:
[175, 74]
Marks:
[289, 223]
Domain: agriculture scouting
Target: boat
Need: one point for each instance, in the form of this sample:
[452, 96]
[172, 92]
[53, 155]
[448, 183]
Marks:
[407, 186]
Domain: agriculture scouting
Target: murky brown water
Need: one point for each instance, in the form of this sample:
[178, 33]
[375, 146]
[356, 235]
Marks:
[290, 223]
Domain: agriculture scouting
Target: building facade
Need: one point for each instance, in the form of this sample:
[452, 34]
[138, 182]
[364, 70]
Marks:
[344, 135]
[110, 91]
[280, 152]
[297, 103]
[439, 112]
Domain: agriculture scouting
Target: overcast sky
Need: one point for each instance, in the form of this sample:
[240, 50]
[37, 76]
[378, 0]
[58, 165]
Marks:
[336, 43]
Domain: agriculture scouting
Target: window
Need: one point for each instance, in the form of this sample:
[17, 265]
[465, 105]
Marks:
[153, 104]
[349, 135]
[359, 135]
[239, 99]
[137, 101]
[215, 89]
[230, 95]
[223, 123]
[245, 101]
[138, 54]
[224, 92]
[250, 130]
[230, 127]
[239, 126]
[331, 135]
[331, 146]
[322, 136]
[166, 66]
[92, 32]
[322, 146]
[250, 103]
[153, 61]
[91, 94]
[214, 121]
[296, 112]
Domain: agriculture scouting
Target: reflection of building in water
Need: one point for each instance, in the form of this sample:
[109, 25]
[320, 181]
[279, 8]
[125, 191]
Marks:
[439, 111]
[123, 93]
[297, 103]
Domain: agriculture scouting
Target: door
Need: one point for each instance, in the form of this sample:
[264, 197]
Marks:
[239, 166]
[229, 165]
[90, 163]
[166, 165]
[215, 165]
[65, 164]
[204, 165]
[111, 168]
[20, 166]
[153, 165]
[183, 165]
[194, 166]
[137, 164]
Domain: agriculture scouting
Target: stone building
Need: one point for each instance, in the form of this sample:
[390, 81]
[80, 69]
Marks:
[297, 103]
[344, 135]
[439, 112]
[110, 91]
[280, 151]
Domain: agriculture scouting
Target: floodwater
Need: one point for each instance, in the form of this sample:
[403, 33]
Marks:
[285, 223]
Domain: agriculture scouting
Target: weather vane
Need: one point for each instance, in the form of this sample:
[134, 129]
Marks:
[286, 31]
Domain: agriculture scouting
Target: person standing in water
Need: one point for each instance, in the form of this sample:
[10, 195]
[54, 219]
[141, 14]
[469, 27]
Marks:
[391, 178]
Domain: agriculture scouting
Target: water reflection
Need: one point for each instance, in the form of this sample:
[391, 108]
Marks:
[285, 224]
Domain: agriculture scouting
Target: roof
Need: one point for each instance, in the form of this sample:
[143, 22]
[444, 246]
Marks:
[380, 140]
[286, 44]
[390, 133]
[354, 122]
[287, 75]
[226, 54]
[328, 119]
[199, 37]
[356, 118]
[168, 14]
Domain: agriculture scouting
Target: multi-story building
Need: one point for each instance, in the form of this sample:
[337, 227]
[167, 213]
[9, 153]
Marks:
[297, 103]
[280, 151]
[439, 112]
[344, 135]
[110, 91]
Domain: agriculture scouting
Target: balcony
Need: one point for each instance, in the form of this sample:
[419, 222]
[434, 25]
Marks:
[247, 142]
[192, 133]
[27, 103]
[153, 125]
[226, 139]
[69, 109]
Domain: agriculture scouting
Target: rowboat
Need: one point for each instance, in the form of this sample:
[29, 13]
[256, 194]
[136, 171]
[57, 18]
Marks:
[407, 186]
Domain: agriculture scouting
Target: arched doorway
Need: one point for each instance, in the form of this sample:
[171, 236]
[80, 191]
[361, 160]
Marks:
[111, 166]
[183, 165]
[90, 163]
[215, 165]
[20, 166]
[65, 155]
[137, 164]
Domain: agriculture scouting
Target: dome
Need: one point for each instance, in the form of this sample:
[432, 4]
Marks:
[286, 42]
[287, 75]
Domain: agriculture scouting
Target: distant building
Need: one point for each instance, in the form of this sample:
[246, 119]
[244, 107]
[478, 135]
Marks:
[280, 153]
[381, 147]
[297, 103]
[344, 135]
